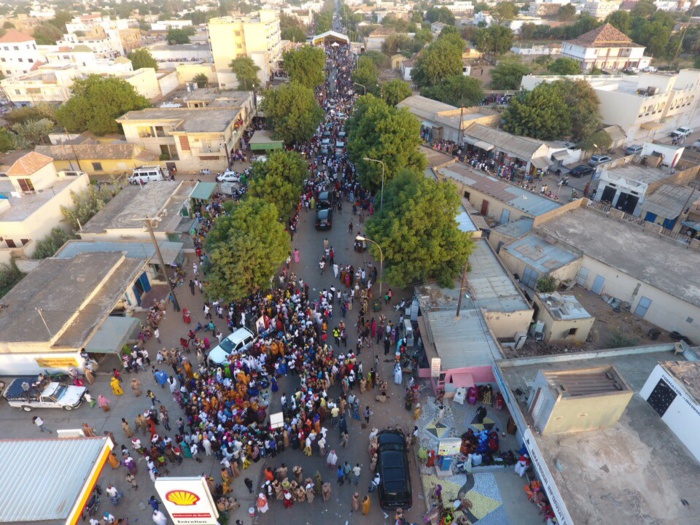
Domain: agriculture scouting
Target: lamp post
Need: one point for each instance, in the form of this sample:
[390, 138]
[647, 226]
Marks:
[590, 181]
[381, 195]
[361, 85]
[381, 263]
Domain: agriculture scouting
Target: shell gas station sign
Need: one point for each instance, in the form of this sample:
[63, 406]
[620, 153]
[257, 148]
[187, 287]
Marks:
[187, 500]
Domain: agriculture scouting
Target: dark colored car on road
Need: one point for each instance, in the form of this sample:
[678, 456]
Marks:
[395, 478]
[581, 171]
[325, 200]
[324, 219]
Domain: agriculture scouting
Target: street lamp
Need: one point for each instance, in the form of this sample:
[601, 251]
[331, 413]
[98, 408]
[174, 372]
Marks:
[590, 181]
[381, 262]
[381, 195]
[361, 85]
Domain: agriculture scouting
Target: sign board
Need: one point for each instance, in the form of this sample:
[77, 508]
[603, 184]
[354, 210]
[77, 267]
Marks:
[435, 365]
[277, 420]
[449, 446]
[56, 362]
[550, 487]
[187, 500]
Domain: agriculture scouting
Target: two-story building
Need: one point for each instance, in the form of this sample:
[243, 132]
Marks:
[18, 53]
[191, 139]
[606, 48]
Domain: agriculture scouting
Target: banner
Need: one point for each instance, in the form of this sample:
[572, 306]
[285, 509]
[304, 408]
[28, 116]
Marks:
[449, 446]
[187, 500]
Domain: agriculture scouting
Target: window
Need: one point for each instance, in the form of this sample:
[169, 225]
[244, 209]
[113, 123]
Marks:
[572, 331]
[26, 184]
[20, 60]
[24, 241]
[16, 48]
[97, 166]
[530, 277]
[30, 60]
[4, 60]
[10, 243]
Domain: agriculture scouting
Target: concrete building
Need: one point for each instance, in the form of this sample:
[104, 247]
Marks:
[601, 9]
[98, 158]
[444, 122]
[461, 7]
[377, 37]
[602, 475]
[646, 106]
[561, 318]
[257, 37]
[166, 25]
[171, 56]
[536, 49]
[669, 205]
[100, 33]
[605, 48]
[71, 300]
[191, 139]
[18, 53]
[32, 196]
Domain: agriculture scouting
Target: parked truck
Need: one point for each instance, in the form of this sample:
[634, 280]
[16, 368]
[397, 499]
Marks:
[28, 393]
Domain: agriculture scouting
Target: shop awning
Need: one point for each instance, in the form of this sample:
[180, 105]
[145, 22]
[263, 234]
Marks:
[263, 141]
[692, 225]
[560, 155]
[483, 145]
[203, 191]
[112, 335]
[541, 162]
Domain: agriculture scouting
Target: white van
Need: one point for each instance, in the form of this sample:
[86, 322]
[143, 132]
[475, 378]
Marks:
[239, 341]
[146, 174]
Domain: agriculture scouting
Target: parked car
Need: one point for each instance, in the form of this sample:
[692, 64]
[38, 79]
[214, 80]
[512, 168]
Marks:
[682, 132]
[52, 395]
[581, 171]
[634, 150]
[325, 200]
[228, 176]
[597, 160]
[146, 174]
[324, 219]
[238, 341]
[696, 145]
[394, 476]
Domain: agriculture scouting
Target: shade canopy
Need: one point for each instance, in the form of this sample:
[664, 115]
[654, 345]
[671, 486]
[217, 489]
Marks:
[112, 335]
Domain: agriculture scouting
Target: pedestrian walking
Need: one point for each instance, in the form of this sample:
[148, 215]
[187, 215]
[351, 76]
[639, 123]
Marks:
[40, 424]
[367, 414]
[375, 483]
[154, 503]
[296, 255]
[341, 475]
[192, 286]
[355, 506]
[159, 518]
[366, 503]
[249, 483]
[103, 403]
[131, 480]
[156, 334]
[127, 428]
[136, 387]
[356, 471]
[150, 396]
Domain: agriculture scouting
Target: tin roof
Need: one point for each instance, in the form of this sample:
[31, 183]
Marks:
[30, 463]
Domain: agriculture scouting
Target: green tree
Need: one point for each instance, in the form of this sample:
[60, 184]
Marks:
[564, 66]
[10, 275]
[598, 141]
[33, 132]
[481, 6]
[323, 21]
[177, 36]
[541, 114]
[381, 60]
[440, 14]
[8, 25]
[141, 58]
[503, 11]
[507, 75]
[456, 90]
[620, 20]
[292, 28]
[495, 40]
[7, 140]
[49, 245]
[305, 65]
[566, 12]
[202, 80]
[583, 105]
[644, 9]
[378, 131]
[441, 59]
[96, 102]
[87, 203]
[696, 62]
[419, 242]
[255, 246]
[395, 91]
[395, 43]
[246, 72]
[280, 181]
[47, 34]
[60, 20]
[367, 75]
[293, 112]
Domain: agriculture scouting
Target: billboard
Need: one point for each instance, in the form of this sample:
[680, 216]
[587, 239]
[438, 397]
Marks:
[187, 500]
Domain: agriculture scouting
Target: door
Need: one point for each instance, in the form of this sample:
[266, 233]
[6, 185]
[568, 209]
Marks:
[627, 202]
[650, 217]
[505, 216]
[581, 276]
[608, 194]
[484, 207]
[598, 284]
[145, 283]
[642, 306]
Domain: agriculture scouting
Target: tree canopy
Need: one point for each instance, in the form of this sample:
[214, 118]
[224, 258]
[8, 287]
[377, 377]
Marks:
[251, 245]
[503, 11]
[395, 91]
[568, 12]
[441, 59]
[418, 232]
[292, 28]
[177, 36]
[293, 112]
[280, 181]
[456, 90]
[305, 65]
[87, 203]
[440, 14]
[507, 75]
[49, 245]
[494, 40]
[141, 58]
[47, 34]
[367, 75]
[564, 66]
[378, 131]
[246, 73]
[96, 102]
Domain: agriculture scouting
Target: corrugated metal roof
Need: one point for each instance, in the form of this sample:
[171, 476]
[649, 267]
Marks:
[42, 478]
[540, 254]
[461, 342]
[521, 147]
[204, 191]
[515, 229]
[133, 250]
[667, 201]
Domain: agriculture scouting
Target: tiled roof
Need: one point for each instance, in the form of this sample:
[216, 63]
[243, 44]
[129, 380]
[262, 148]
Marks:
[29, 164]
[13, 35]
[91, 151]
[603, 36]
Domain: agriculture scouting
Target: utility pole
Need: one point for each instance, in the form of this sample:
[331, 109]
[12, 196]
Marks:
[461, 289]
[176, 305]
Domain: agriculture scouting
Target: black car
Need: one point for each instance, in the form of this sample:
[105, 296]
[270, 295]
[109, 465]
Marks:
[324, 219]
[325, 200]
[581, 171]
[394, 477]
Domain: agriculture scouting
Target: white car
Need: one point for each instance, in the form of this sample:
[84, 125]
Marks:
[229, 176]
[683, 132]
[239, 341]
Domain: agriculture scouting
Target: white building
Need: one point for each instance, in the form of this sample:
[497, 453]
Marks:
[645, 106]
[605, 48]
[18, 53]
[99, 32]
[171, 56]
[536, 49]
[166, 25]
[460, 7]
[600, 9]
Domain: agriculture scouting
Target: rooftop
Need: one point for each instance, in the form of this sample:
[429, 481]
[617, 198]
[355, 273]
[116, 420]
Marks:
[90, 151]
[665, 265]
[164, 46]
[636, 471]
[521, 147]
[586, 382]
[28, 164]
[563, 306]
[12, 35]
[435, 158]
[217, 97]
[132, 205]
[539, 254]
[60, 291]
[490, 282]
[668, 201]
[441, 113]
[515, 229]
[604, 36]
[132, 249]
[24, 459]
[21, 208]
[527, 201]
[636, 172]
[191, 120]
[688, 376]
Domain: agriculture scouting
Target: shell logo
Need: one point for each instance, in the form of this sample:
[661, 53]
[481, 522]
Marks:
[182, 497]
